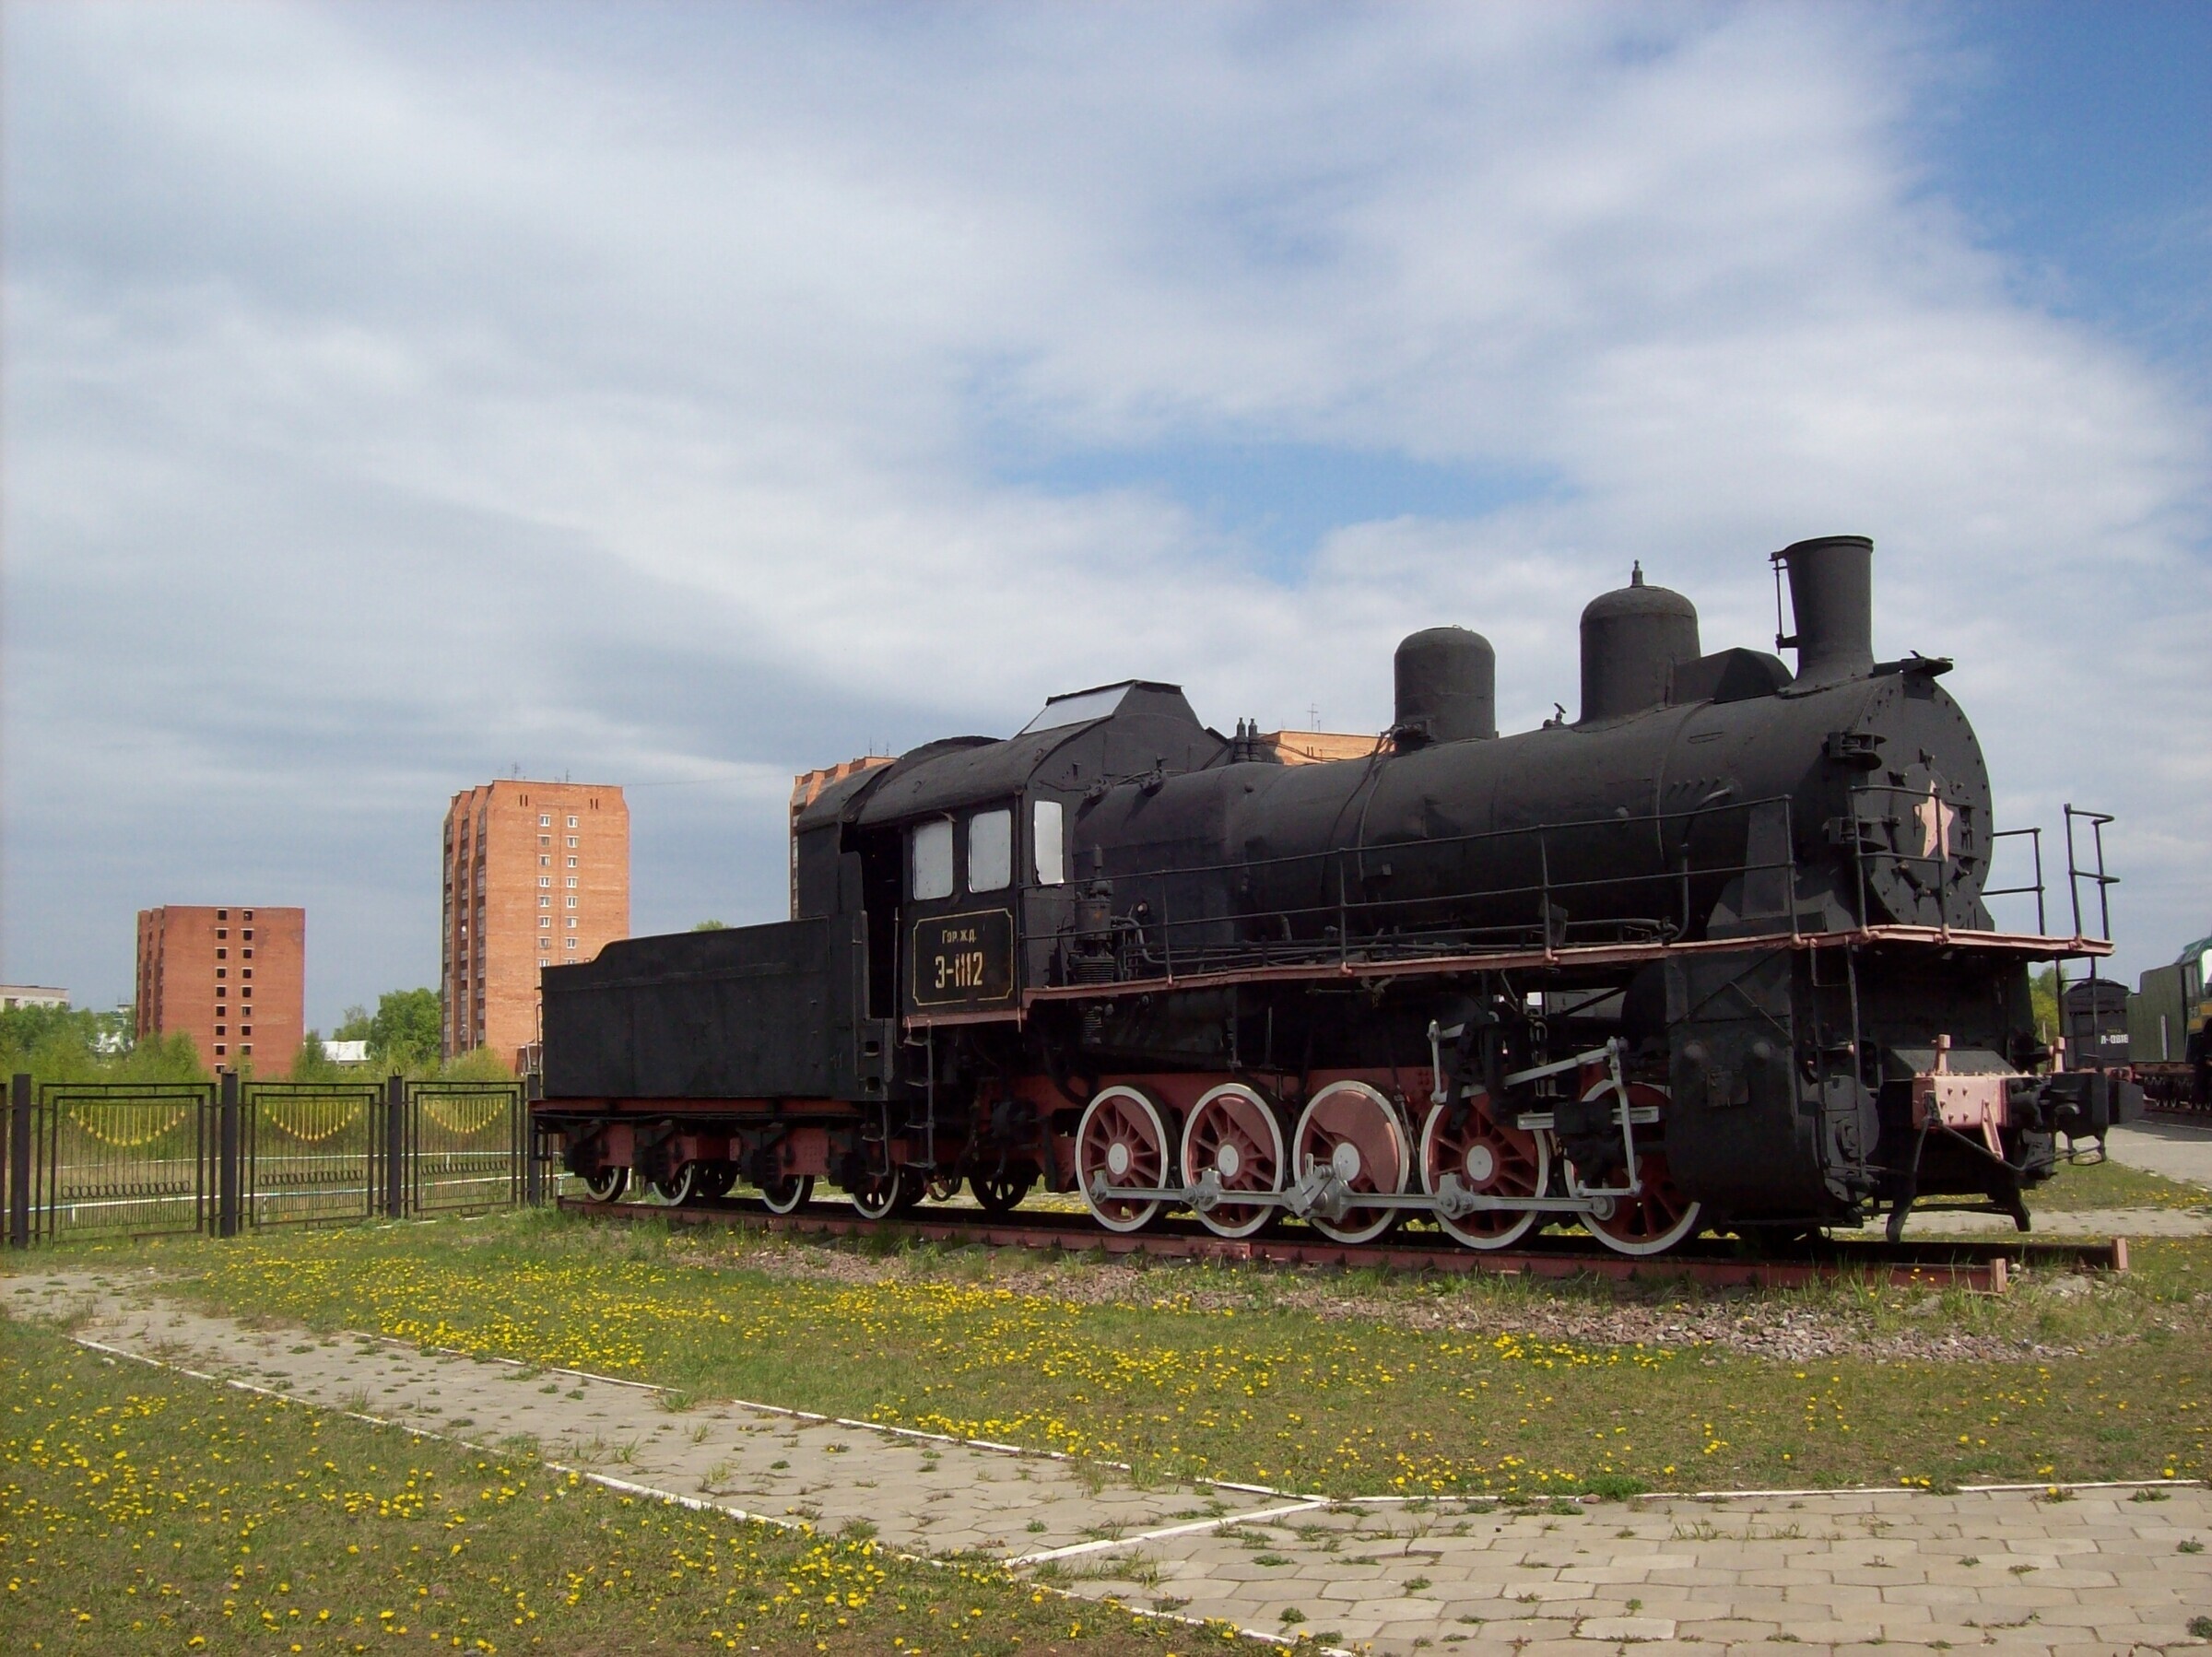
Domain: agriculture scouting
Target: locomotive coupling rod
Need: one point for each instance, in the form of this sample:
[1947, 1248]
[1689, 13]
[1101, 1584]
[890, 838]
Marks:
[1186, 1194]
[1202, 1196]
[1323, 1193]
[1457, 1204]
[1453, 1201]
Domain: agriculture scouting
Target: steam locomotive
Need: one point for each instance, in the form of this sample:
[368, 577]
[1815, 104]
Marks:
[1714, 955]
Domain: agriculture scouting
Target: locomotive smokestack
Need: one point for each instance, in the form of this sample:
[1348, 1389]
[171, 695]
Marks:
[1447, 686]
[1632, 639]
[1831, 595]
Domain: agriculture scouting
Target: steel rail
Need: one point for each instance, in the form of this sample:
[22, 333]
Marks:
[1984, 1266]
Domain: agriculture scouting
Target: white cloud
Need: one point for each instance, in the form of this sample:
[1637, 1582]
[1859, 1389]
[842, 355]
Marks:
[397, 395]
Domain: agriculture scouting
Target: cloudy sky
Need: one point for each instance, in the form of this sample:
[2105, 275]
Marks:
[685, 396]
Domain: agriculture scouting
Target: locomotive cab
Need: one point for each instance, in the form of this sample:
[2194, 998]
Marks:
[971, 843]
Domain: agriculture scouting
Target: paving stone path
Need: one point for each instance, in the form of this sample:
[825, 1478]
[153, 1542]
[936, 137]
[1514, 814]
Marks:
[2175, 1150]
[2059, 1222]
[2101, 1572]
[2159, 1145]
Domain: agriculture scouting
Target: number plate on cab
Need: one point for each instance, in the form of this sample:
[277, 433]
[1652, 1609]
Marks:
[964, 959]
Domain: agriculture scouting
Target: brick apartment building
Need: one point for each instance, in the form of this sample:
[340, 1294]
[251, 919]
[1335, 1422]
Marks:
[536, 873]
[233, 978]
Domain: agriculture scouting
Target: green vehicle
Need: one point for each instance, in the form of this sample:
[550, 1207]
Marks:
[2170, 1029]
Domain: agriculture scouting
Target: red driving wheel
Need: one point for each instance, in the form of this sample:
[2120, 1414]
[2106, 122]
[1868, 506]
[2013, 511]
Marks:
[1657, 1216]
[1353, 1131]
[1233, 1133]
[1491, 1158]
[1121, 1143]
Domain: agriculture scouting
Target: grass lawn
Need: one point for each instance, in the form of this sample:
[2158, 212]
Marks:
[1203, 1371]
[144, 1512]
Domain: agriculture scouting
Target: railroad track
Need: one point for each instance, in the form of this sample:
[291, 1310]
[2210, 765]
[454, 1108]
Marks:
[1985, 1266]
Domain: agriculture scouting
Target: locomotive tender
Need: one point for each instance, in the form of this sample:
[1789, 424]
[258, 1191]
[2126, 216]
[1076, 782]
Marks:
[1714, 955]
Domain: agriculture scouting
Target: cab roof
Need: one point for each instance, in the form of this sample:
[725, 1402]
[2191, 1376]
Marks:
[1105, 733]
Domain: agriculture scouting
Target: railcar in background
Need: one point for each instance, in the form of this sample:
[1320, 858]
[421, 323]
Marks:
[2093, 1015]
[2170, 1029]
[1713, 954]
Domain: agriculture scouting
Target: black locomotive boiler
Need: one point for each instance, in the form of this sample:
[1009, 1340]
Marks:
[1715, 954]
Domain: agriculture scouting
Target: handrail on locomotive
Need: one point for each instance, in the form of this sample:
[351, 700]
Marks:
[1550, 927]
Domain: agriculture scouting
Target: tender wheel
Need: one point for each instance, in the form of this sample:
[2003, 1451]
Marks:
[880, 1196]
[713, 1179]
[1002, 1192]
[790, 1192]
[1233, 1130]
[1659, 1216]
[607, 1184]
[1350, 1129]
[1121, 1141]
[941, 1187]
[1491, 1158]
[681, 1187]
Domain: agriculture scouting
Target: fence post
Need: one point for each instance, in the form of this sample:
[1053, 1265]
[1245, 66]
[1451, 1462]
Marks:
[227, 1160]
[18, 1161]
[395, 1147]
[534, 1087]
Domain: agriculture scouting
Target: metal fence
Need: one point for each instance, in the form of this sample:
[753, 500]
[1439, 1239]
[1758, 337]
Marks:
[134, 1159]
[314, 1151]
[142, 1159]
[466, 1145]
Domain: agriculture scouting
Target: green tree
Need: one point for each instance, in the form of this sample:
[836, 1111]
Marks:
[407, 1027]
[311, 1063]
[709, 926]
[170, 1058]
[2042, 998]
[354, 1025]
[23, 1028]
[61, 1044]
[478, 1065]
[54, 1044]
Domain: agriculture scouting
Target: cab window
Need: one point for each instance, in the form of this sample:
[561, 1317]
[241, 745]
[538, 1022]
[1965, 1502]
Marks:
[1052, 857]
[990, 851]
[932, 860]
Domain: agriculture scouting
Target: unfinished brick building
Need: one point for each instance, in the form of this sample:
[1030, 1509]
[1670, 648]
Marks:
[233, 977]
